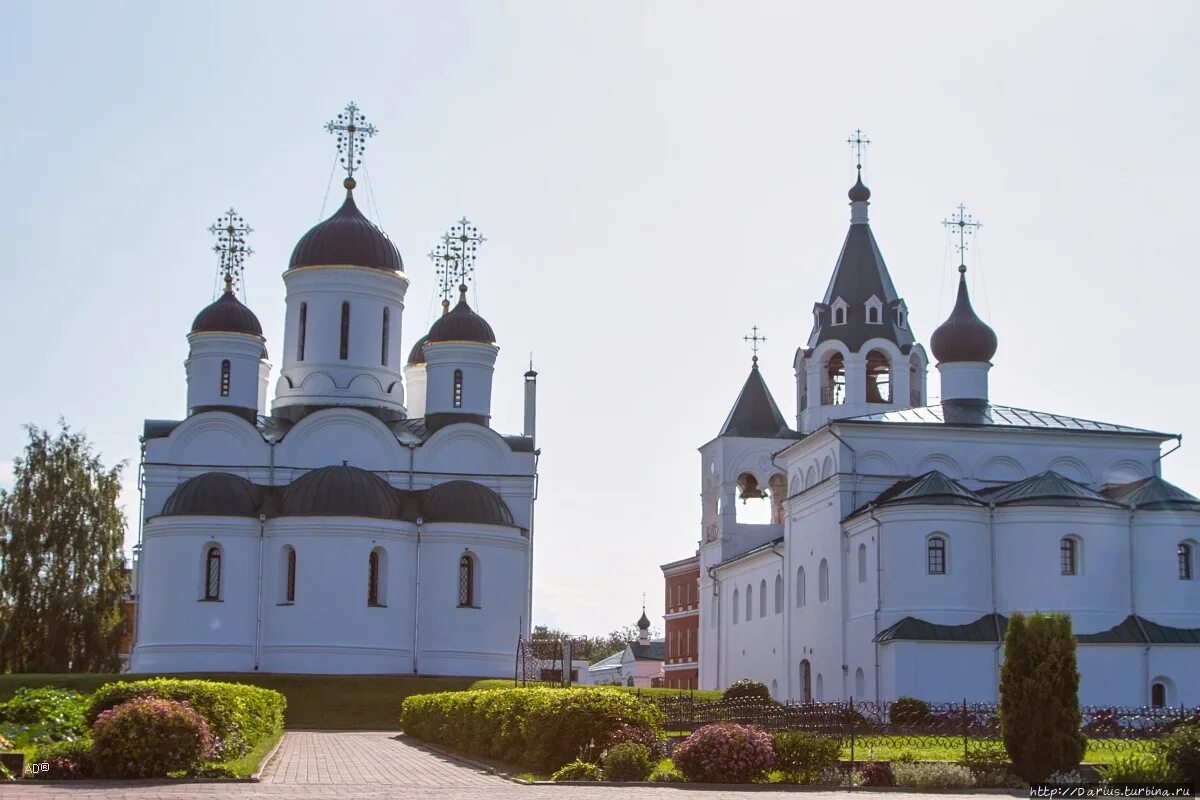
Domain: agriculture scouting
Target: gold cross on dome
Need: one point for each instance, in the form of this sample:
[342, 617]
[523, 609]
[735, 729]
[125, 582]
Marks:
[352, 131]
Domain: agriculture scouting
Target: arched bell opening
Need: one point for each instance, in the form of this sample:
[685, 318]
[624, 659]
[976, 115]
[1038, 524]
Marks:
[754, 506]
[778, 487]
[879, 378]
[833, 380]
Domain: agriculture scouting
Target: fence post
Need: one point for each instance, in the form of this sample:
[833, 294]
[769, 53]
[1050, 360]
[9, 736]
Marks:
[964, 728]
[851, 717]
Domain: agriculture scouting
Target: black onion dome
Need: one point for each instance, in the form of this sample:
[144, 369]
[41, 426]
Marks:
[462, 324]
[859, 193]
[341, 492]
[346, 238]
[964, 336]
[465, 501]
[644, 622]
[213, 494]
[227, 315]
[417, 355]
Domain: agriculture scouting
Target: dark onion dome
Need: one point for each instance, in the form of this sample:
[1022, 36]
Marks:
[859, 193]
[462, 324]
[213, 494]
[465, 501]
[227, 315]
[644, 622]
[346, 238]
[964, 336]
[340, 491]
[417, 355]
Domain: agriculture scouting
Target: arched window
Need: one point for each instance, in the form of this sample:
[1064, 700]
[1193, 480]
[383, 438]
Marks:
[1068, 555]
[212, 573]
[860, 683]
[735, 606]
[749, 602]
[839, 316]
[833, 380]
[762, 598]
[344, 352]
[303, 331]
[458, 388]
[879, 378]
[801, 591]
[289, 574]
[466, 582]
[820, 688]
[862, 563]
[775, 689]
[806, 681]
[377, 578]
[225, 378]
[1158, 694]
[935, 555]
[823, 581]
[387, 320]
[778, 594]
[1186, 567]
[873, 315]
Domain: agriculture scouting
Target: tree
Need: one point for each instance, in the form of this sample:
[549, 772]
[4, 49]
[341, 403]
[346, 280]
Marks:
[1039, 696]
[62, 572]
[613, 642]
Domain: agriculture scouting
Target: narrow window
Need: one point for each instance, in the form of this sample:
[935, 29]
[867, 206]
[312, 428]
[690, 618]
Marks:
[225, 378]
[1185, 561]
[1158, 695]
[303, 331]
[1068, 556]
[936, 556]
[212, 574]
[458, 388]
[373, 578]
[345, 350]
[762, 598]
[290, 595]
[823, 581]
[749, 602]
[862, 563]
[466, 582]
[688, 651]
[801, 600]
[735, 606]
[778, 594]
[873, 315]
[839, 316]
[387, 320]
[899, 317]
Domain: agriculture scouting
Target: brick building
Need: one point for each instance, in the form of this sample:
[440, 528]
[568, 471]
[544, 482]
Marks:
[682, 620]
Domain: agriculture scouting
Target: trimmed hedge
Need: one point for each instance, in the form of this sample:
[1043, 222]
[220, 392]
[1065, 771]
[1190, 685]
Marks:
[238, 715]
[539, 729]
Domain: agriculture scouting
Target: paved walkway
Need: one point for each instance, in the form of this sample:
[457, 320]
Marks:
[372, 766]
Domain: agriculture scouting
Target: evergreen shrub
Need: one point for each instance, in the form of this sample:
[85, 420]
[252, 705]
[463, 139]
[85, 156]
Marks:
[1039, 696]
[747, 689]
[628, 761]
[539, 729]
[238, 715]
[1181, 750]
[805, 757]
[148, 737]
[910, 711]
[666, 774]
[1136, 768]
[647, 737]
[933, 776]
[577, 770]
[725, 753]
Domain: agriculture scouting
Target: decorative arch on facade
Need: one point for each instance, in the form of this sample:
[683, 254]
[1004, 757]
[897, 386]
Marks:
[1000, 469]
[877, 462]
[1072, 468]
[860, 683]
[797, 485]
[827, 467]
[823, 581]
[811, 477]
[216, 437]
[465, 443]
[820, 694]
[334, 431]
[941, 462]
[1126, 470]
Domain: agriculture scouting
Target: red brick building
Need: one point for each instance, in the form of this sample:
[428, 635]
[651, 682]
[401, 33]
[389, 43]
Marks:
[682, 647]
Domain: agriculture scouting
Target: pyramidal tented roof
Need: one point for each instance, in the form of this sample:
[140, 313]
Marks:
[1152, 493]
[755, 414]
[1049, 486]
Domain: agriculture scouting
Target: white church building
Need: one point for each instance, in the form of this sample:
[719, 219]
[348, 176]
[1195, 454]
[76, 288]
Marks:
[902, 534]
[370, 518]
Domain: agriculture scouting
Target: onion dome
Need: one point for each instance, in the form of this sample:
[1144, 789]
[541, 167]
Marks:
[347, 237]
[859, 193]
[227, 315]
[417, 355]
[213, 494]
[341, 492]
[465, 501]
[644, 622]
[461, 324]
[964, 336]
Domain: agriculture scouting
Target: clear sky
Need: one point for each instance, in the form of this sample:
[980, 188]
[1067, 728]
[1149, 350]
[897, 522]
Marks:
[654, 178]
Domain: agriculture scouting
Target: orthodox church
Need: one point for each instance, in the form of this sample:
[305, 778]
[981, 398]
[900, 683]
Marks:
[902, 533]
[366, 521]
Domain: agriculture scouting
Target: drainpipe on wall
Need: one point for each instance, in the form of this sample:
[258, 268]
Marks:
[787, 586]
[417, 600]
[844, 597]
[853, 467]
[141, 552]
[992, 572]
[1133, 613]
[787, 631]
[878, 590]
[1158, 460]
[262, 529]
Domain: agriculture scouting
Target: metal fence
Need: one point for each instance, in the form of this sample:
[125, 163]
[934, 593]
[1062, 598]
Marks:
[907, 723]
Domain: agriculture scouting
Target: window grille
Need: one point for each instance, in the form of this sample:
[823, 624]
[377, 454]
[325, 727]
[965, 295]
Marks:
[212, 574]
[225, 378]
[937, 556]
[458, 388]
[1185, 561]
[1067, 553]
[345, 349]
[291, 576]
[373, 579]
[466, 582]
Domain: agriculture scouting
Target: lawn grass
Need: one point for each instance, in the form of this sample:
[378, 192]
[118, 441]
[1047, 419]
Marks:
[941, 748]
[248, 764]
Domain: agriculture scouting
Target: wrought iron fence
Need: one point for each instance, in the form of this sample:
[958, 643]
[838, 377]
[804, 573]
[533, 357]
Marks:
[548, 661]
[908, 723]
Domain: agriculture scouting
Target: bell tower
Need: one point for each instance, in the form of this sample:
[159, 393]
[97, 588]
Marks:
[861, 357]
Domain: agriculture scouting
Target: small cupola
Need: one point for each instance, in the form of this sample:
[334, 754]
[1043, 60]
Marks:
[461, 324]
[227, 315]
[643, 628]
[963, 336]
[347, 238]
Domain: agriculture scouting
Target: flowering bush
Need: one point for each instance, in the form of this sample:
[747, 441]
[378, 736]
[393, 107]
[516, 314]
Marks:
[641, 734]
[577, 770]
[933, 776]
[725, 753]
[805, 757]
[149, 738]
[877, 773]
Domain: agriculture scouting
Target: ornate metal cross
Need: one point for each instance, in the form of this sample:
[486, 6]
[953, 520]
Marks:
[454, 257]
[352, 131]
[966, 226]
[859, 143]
[754, 339]
[231, 249]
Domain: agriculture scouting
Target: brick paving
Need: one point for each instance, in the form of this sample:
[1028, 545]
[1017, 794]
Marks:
[373, 766]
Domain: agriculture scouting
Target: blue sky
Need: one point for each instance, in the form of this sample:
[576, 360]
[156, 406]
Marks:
[653, 178]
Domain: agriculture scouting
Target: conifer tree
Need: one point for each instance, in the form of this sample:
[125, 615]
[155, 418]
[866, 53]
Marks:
[1039, 696]
[62, 572]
